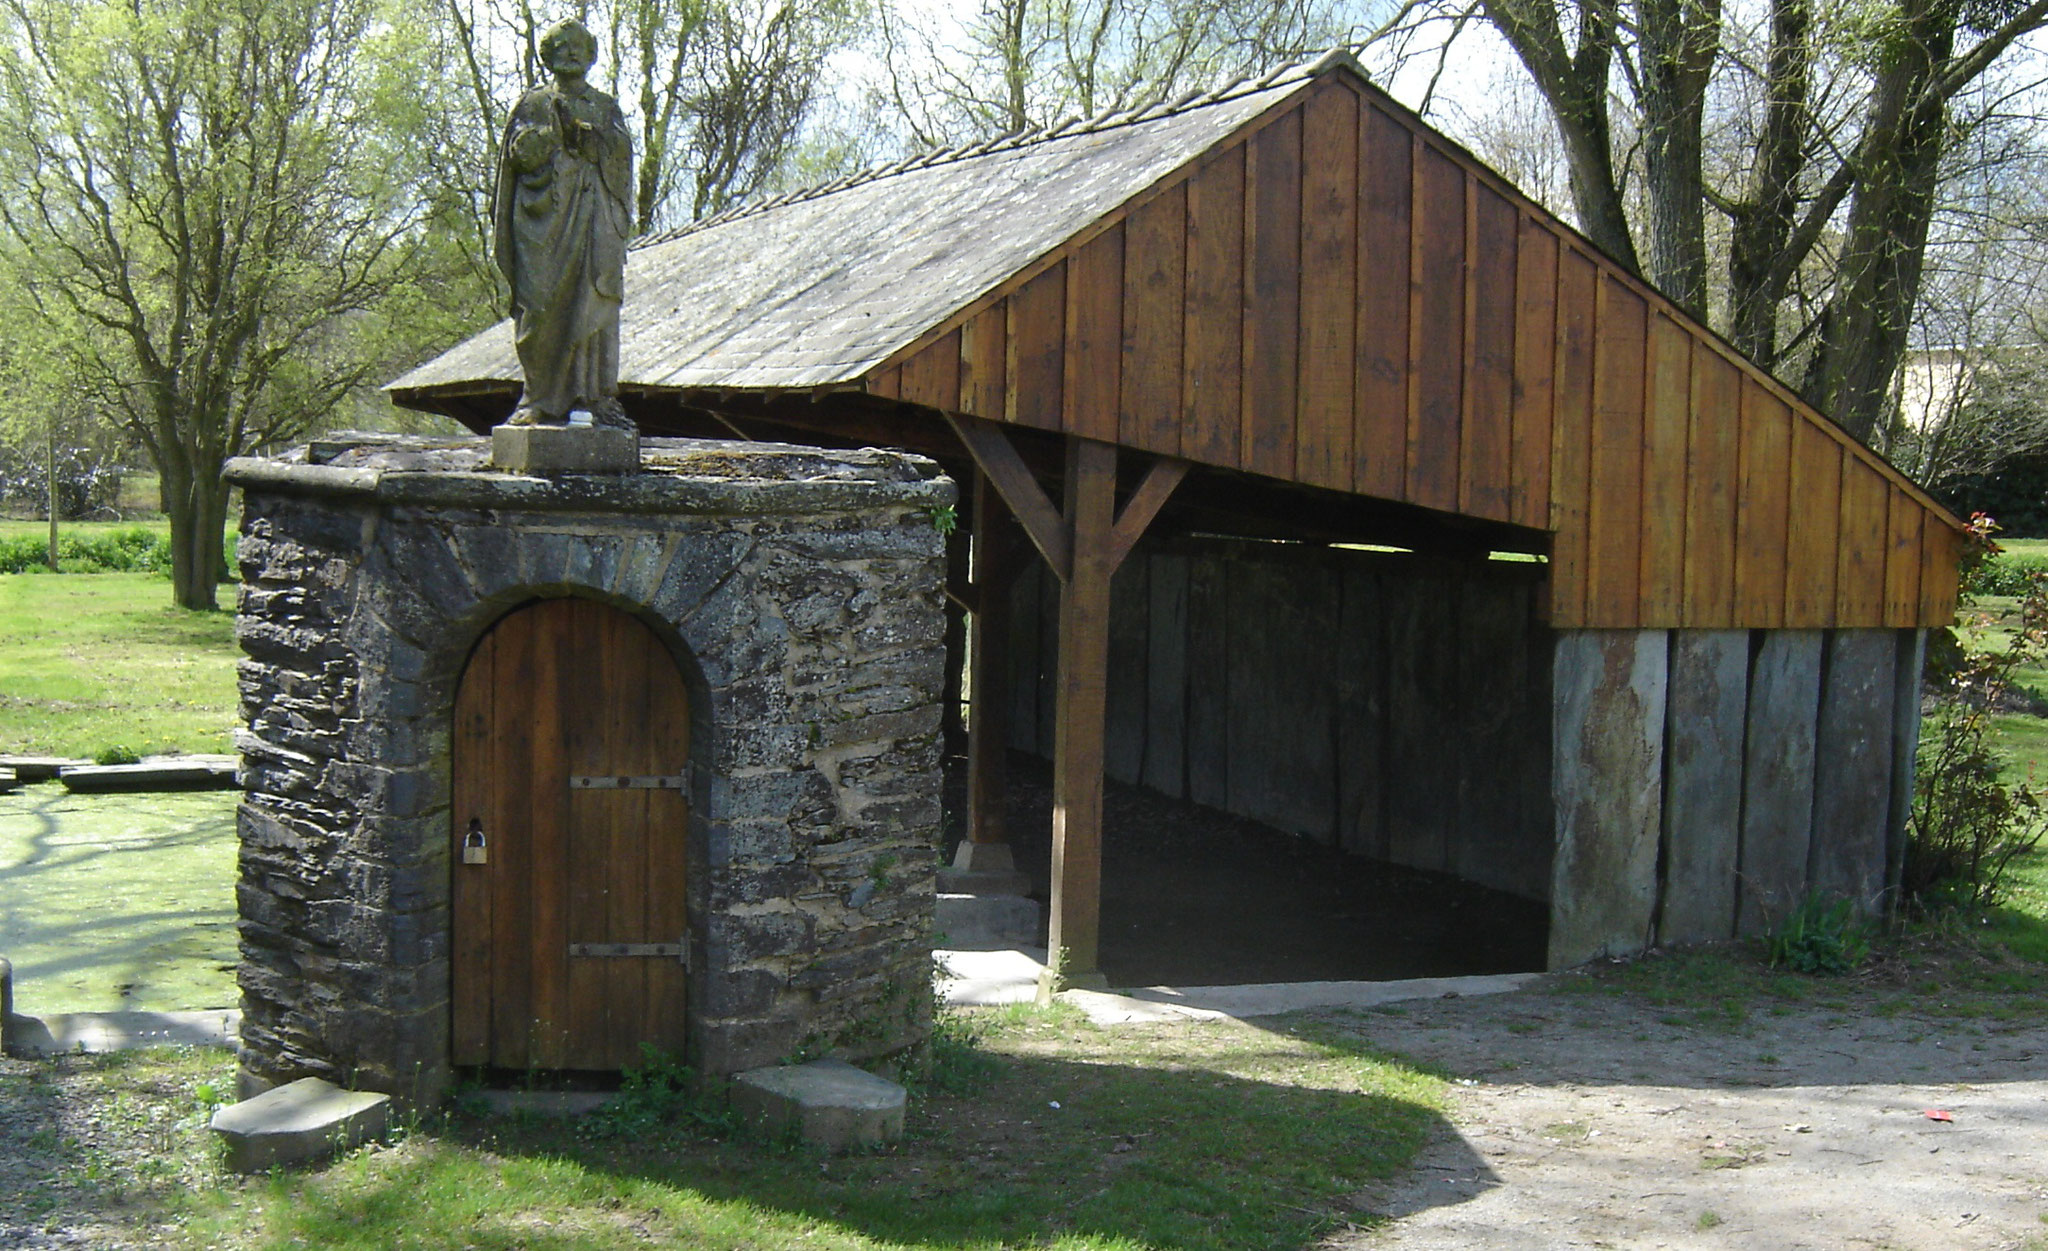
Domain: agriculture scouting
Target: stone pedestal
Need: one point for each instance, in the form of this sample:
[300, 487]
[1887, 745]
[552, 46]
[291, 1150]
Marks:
[828, 1103]
[547, 450]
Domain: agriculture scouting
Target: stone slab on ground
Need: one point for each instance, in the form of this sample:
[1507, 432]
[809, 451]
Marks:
[829, 1103]
[986, 922]
[39, 768]
[162, 773]
[9, 780]
[63, 1033]
[300, 1120]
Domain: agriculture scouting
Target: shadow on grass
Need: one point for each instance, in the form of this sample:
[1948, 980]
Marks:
[1063, 1151]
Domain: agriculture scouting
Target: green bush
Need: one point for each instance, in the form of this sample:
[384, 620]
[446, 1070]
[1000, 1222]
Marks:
[2007, 573]
[1968, 822]
[1820, 937]
[130, 549]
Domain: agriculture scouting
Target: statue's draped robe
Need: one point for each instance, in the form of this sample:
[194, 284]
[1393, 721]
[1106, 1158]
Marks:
[563, 213]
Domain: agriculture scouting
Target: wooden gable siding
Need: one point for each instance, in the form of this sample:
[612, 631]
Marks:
[1339, 297]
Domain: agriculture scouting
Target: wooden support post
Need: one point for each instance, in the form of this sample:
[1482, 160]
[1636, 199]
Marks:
[1082, 543]
[1073, 937]
[997, 563]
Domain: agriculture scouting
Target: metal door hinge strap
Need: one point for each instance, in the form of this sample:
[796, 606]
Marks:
[623, 782]
[676, 950]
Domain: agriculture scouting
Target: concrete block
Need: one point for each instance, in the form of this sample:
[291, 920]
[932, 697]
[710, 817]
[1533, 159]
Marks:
[1777, 811]
[1709, 696]
[300, 1120]
[829, 1103]
[980, 882]
[986, 922]
[9, 780]
[1608, 780]
[548, 450]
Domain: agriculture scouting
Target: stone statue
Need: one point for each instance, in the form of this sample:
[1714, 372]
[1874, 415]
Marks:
[563, 212]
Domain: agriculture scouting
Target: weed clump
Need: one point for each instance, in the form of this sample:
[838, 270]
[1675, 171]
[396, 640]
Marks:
[1821, 937]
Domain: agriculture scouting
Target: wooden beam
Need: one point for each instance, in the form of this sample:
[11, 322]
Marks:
[1012, 479]
[1083, 685]
[1164, 475]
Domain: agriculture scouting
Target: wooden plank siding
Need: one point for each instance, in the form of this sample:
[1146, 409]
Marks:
[1337, 296]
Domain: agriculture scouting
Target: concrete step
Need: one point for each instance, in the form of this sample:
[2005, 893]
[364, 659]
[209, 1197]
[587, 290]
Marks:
[986, 922]
[829, 1103]
[302, 1120]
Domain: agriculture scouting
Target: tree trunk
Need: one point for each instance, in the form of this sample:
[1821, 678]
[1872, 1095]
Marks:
[198, 505]
[1866, 321]
[1680, 39]
[1758, 267]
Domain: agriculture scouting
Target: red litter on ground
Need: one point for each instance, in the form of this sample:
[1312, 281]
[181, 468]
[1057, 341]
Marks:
[1938, 1114]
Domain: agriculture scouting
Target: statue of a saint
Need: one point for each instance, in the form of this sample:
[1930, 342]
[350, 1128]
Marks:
[563, 213]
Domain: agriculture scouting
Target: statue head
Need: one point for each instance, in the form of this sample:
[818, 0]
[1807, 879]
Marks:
[568, 47]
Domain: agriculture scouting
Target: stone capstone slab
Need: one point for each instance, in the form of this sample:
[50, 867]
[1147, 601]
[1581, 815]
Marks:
[39, 768]
[165, 773]
[9, 781]
[986, 922]
[828, 1103]
[548, 450]
[66, 1033]
[301, 1120]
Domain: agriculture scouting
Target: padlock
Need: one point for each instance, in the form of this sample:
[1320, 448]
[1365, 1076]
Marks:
[473, 844]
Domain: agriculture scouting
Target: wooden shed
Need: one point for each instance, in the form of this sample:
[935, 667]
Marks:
[1578, 602]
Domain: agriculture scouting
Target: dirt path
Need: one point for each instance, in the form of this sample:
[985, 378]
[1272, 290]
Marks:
[1595, 1120]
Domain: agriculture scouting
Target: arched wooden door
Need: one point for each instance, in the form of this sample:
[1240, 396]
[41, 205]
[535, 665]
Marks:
[571, 736]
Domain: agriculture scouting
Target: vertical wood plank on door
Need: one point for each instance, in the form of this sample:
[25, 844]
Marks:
[1814, 520]
[633, 748]
[1714, 457]
[1436, 331]
[1902, 558]
[1664, 472]
[1034, 370]
[1329, 294]
[1155, 270]
[512, 851]
[1095, 336]
[1272, 331]
[1535, 371]
[1386, 204]
[667, 822]
[553, 659]
[1571, 445]
[1761, 517]
[597, 833]
[470, 767]
[1486, 472]
[1215, 311]
[1615, 491]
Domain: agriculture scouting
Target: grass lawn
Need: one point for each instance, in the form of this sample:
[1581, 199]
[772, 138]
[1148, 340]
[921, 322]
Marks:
[89, 662]
[114, 902]
[1050, 1133]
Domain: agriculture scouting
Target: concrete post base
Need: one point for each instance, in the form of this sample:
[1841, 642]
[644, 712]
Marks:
[983, 869]
[549, 450]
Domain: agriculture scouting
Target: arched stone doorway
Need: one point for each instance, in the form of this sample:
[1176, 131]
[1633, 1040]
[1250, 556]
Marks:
[570, 822]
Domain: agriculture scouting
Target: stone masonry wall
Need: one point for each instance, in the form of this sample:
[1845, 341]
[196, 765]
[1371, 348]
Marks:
[801, 593]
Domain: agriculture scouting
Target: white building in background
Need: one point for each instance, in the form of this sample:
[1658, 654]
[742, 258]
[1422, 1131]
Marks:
[1932, 384]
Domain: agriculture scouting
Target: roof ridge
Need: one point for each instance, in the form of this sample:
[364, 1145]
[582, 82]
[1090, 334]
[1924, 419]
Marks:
[1142, 113]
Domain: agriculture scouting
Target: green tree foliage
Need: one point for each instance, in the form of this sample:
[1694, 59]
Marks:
[208, 219]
